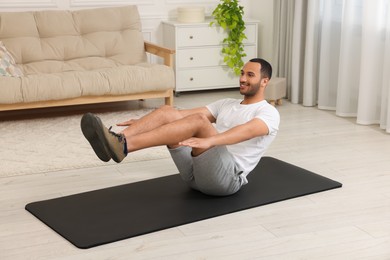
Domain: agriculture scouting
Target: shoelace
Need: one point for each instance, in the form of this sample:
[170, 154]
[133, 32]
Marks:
[119, 136]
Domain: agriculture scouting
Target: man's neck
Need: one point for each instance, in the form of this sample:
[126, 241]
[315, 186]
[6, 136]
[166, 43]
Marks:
[252, 99]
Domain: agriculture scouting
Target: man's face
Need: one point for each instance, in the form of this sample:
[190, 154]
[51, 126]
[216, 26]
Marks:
[250, 79]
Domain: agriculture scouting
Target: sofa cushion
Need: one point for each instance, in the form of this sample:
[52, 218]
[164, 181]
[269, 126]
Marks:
[8, 66]
[119, 80]
[81, 64]
[57, 35]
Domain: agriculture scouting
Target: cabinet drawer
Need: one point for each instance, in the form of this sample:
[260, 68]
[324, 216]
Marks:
[188, 58]
[211, 56]
[205, 78]
[206, 35]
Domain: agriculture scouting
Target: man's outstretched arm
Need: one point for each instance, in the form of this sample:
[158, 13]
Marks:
[254, 128]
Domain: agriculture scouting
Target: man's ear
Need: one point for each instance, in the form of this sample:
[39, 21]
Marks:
[264, 82]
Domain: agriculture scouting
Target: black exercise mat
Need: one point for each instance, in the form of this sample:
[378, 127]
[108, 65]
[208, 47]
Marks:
[107, 215]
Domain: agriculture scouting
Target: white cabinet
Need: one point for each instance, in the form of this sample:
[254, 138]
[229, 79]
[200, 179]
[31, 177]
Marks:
[198, 60]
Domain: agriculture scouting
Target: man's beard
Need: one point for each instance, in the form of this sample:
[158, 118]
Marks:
[251, 90]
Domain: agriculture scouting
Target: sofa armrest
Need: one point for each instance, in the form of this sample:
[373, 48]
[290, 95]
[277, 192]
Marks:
[165, 53]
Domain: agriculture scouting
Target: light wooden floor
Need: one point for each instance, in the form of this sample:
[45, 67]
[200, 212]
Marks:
[348, 223]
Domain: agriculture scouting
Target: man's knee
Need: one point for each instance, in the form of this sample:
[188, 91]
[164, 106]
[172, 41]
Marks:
[170, 113]
[200, 118]
[167, 108]
[204, 127]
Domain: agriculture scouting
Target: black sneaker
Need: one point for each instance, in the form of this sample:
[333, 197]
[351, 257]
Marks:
[106, 143]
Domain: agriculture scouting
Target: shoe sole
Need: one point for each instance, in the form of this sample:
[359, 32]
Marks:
[93, 132]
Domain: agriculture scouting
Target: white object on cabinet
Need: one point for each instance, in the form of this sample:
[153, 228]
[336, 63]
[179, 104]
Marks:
[198, 61]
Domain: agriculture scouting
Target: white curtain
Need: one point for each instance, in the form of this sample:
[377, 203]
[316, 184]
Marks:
[339, 58]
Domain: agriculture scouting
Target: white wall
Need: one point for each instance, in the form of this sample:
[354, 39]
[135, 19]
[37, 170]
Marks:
[262, 10]
[154, 11]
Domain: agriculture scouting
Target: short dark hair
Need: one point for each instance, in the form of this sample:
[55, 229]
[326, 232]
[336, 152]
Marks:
[266, 68]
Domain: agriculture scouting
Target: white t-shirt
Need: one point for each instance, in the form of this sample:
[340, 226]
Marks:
[230, 113]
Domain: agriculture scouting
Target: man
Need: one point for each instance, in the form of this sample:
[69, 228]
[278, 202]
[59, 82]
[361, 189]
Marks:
[212, 159]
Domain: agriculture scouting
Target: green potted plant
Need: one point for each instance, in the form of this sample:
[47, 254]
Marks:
[228, 15]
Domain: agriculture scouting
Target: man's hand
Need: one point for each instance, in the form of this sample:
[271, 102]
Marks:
[194, 142]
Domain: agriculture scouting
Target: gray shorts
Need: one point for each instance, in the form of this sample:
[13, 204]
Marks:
[214, 172]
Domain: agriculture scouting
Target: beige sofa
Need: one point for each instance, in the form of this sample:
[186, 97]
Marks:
[79, 57]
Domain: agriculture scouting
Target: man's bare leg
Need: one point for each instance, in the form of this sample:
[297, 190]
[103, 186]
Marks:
[164, 127]
[158, 117]
[170, 134]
